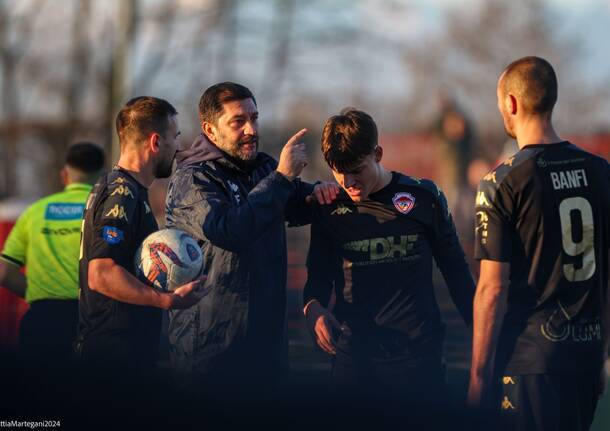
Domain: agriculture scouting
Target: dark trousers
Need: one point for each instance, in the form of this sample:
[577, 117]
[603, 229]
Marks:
[47, 331]
[397, 391]
[398, 379]
[553, 402]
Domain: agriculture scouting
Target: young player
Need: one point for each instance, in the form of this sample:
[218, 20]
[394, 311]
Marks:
[374, 248]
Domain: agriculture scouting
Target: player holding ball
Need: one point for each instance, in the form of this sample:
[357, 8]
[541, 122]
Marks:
[120, 317]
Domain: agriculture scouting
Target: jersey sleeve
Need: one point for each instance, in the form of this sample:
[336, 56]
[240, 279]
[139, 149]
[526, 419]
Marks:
[451, 260]
[321, 266]
[113, 223]
[493, 239]
[298, 212]
[16, 245]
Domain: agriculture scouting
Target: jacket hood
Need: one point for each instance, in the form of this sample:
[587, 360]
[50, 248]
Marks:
[202, 150]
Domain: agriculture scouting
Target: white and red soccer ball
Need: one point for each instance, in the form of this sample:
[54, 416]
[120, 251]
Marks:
[167, 259]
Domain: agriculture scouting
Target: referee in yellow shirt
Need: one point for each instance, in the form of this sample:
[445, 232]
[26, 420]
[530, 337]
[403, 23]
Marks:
[46, 240]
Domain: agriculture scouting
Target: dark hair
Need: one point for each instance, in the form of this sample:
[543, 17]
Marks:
[212, 99]
[142, 116]
[533, 80]
[347, 138]
[86, 157]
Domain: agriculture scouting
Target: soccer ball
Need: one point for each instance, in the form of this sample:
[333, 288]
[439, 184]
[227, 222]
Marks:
[167, 259]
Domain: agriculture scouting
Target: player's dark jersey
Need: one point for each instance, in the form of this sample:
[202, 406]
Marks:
[117, 218]
[377, 256]
[546, 210]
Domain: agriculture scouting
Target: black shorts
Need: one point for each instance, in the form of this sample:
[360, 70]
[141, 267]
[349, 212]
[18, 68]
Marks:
[48, 330]
[548, 401]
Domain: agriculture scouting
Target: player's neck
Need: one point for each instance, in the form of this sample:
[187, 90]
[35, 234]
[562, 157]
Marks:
[537, 131]
[385, 177]
[138, 167]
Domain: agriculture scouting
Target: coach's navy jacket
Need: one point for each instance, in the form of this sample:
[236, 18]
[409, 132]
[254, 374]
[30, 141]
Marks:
[237, 215]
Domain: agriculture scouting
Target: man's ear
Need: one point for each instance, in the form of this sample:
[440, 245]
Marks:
[153, 142]
[511, 104]
[63, 175]
[378, 153]
[209, 131]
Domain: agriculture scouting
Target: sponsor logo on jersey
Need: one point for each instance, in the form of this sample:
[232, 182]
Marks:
[490, 177]
[60, 211]
[404, 202]
[341, 210]
[383, 249]
[506, 404]
[558, 328]
[117, 212]
[509, 161]
[482, 200]
[543, 163]
[112, 235]
[119, 180]
[122, 191]
[508, 380]
[147, 207]
[61, 232]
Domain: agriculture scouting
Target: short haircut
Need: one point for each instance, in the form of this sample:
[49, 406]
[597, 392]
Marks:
[212, 99]
[86, 157]
[533, 81]
[348, 138]
[142, 116]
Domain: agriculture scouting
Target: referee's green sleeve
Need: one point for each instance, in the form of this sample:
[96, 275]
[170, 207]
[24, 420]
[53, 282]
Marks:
[16, 245]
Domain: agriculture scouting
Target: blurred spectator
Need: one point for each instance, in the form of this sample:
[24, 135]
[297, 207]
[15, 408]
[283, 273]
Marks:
[455, 141]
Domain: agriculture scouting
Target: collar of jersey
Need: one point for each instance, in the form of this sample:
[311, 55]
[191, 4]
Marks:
[78, 186]
[546, 145]
[126, 172]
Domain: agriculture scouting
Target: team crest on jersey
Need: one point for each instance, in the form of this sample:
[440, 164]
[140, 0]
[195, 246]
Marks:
[404, 202]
